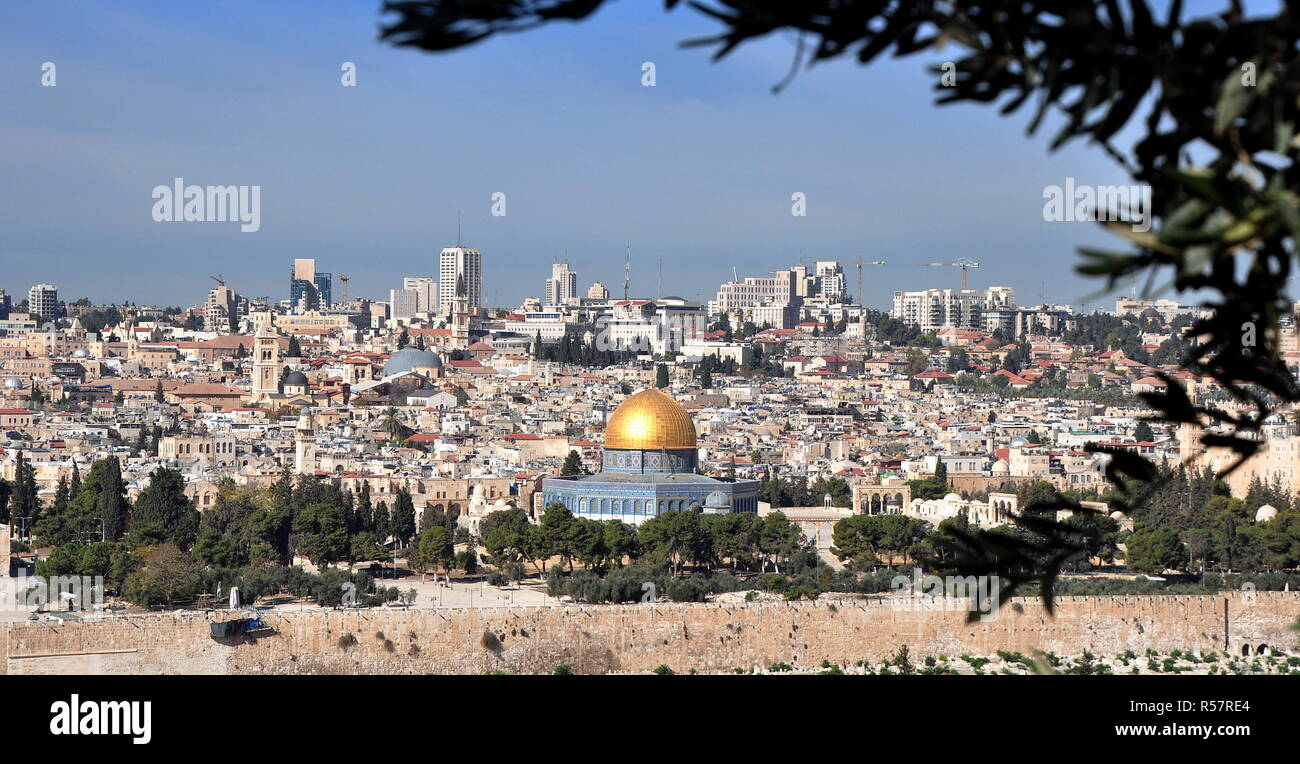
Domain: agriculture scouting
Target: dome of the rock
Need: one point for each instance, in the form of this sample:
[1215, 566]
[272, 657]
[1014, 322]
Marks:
[650, 421]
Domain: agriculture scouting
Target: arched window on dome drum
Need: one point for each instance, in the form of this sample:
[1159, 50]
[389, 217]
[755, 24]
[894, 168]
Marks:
[649, 507]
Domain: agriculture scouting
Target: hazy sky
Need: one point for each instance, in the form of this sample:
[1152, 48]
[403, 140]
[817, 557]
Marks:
[698, 170]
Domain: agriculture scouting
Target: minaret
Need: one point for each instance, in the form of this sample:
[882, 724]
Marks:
[266, 363]
[304, 437]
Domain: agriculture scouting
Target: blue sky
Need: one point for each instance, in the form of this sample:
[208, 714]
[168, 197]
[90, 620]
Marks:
[698, 170]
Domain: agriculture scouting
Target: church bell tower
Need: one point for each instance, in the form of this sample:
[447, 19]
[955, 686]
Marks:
[266, 363]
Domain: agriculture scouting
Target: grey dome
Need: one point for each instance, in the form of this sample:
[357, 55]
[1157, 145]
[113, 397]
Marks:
[13, 382]
[409, 358]
[81, 353]
[296, 378]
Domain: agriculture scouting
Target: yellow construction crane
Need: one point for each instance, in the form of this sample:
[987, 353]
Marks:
[963, 263]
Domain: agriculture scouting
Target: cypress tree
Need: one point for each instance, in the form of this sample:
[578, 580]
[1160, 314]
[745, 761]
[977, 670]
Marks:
[365, 510]
[113, 506]
[403, 520]
[26, 504]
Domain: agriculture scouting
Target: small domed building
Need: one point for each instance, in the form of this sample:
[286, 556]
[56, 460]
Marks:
[296, 384]
[648, 467]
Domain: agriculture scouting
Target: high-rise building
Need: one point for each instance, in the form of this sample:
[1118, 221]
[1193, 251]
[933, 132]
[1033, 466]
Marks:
[830, 281]
[456, 265]
[43, 301]
[222, 309]
[6, 305]
[324, 283]
[303, 293]
[403, 304]
[779, 289]
[933, 309]
[426, 292]
[562, 286]
[598, 291]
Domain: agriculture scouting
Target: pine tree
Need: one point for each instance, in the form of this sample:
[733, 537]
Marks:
[295, 349]
[572, 465]
[661, 376]
[163, 508]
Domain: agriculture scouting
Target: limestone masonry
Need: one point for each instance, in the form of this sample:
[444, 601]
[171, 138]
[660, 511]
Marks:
[634, 638]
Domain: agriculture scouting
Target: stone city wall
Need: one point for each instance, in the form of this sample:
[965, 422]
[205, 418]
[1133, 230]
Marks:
[634, 638]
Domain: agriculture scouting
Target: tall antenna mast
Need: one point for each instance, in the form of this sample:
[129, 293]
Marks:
[458, 229]
[661, 277]
[627, 272]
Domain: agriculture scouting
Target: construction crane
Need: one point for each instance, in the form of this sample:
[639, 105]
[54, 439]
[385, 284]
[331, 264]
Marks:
[858, 263]
[343, 285]
[963, 263]
[218, 278]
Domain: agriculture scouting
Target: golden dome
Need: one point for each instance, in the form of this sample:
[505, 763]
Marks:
[650, 421]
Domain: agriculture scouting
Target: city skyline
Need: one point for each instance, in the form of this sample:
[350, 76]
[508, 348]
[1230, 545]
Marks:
[687, 183]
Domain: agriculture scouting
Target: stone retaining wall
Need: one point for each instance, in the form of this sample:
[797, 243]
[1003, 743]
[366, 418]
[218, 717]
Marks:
[623, 638]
